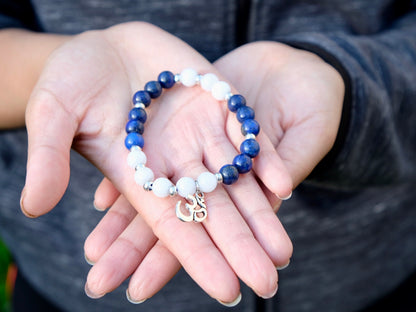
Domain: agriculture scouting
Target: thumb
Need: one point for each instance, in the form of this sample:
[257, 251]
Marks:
[51, 130]
[303, 147]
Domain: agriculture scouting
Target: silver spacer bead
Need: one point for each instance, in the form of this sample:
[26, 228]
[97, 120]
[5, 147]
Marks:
[177, 78]
[197, 186]
[139, 166]
[228, 96]
[148, 186]
[135, 148]
[173, 190]
[198, 79]
[140, 105]
[219, 177]
[250, 136]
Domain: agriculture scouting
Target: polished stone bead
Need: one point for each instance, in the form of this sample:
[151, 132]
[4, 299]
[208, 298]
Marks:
[188, 77]
[207, 182]
[244, 113]
[220, 89]
[153, 88]
[136, 158]
[235, 102]
[161, 187]
[142, 97]
[138, 114]
[135, 126]
[133, 139]
[250, 147]
[143, 175]
[208, 81]
[250, 126]
[186, 186]
[229, 174]
[166, 79]
[243, 163]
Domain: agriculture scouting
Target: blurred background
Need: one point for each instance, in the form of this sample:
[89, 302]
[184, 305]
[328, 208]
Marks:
[7, 277]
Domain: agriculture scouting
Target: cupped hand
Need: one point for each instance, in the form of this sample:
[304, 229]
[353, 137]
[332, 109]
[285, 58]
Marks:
[82, 100]
[297, 98]
[298, 101]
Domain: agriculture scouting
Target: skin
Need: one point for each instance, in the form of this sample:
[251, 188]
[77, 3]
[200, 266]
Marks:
[300, 122]
[242, 238]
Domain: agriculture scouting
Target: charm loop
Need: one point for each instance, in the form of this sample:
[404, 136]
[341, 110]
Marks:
[196, 215]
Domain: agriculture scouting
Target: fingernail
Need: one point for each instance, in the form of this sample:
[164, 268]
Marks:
[285, 198]
[98, 208]
[88, 260]
[272, 294]
[231, 304]
[91, 294]
[22, 207]
[283, 266]
[132, 300]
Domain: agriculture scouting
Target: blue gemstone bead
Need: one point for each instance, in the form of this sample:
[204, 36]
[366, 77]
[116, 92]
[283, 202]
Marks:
[235, 102]
[166, 79]
[153, 88]
[133, 139]
[250, 147]
[243, 163]
[142, 97]
[250, 126]
[229, 174]
[244, 113]
[138, 114]
[135, 126]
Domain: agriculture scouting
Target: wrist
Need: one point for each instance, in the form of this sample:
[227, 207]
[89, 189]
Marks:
[23, 55]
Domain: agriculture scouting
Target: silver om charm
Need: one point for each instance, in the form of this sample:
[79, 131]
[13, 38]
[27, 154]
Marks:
[196, 208]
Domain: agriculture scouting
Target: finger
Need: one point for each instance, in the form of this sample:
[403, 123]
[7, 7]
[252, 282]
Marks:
[105, 195]
[254, 207]
[110, 227]
[121, 259]
[303, 146]
[50, 132]
[195, 250]
[268, 166]
[157, 268]
[235, 240]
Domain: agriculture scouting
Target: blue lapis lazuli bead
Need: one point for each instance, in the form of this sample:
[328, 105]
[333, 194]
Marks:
[135, 126]
[166, 79]
[250, 126]
[244, 113]
[243, 163]
[250, 147]
[142, 97]
[133, 139]
[138, 114]
[153, 88]
[229, 174]
[235, 102]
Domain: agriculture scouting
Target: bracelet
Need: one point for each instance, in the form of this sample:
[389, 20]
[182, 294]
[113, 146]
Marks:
[192, 190]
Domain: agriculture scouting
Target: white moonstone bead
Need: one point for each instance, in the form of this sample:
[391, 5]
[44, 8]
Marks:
[136, 158]
[220, 90]
[207, 81]
[143, 175]
[186, 186]
[207, 182]
[161, 187]
[189, 77]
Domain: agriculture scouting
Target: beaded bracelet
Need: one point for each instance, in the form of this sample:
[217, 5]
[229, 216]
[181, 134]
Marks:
[191, 189]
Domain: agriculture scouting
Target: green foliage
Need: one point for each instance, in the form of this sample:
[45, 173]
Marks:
[5, 260]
